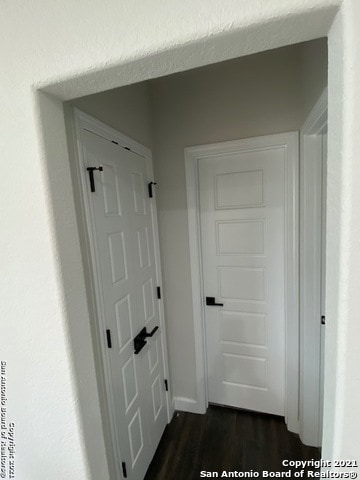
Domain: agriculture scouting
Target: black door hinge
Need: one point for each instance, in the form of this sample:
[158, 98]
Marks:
[150, 188]
[158, 292]
[322, 319]
[91, 176]
[166, 385]
[108, 338]
[117, 143]
[123, 464]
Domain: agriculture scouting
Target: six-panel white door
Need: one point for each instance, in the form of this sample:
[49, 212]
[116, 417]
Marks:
[125, 257]
[242, 210]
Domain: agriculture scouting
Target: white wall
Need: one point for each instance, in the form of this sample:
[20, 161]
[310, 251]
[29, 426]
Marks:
[71, 49]
[256, 95]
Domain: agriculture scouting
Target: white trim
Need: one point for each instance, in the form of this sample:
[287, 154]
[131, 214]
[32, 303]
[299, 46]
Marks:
[292, 280]
[86, 122]
[192, 188]
[311, 178]
[317, 118]
[192, 155]
[184, 404]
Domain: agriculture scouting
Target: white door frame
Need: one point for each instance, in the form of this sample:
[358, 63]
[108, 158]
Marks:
[192, 155]
[84, 121]
[311, 177]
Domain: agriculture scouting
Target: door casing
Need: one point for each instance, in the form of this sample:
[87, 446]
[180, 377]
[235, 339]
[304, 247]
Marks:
[312, 204]
[85, 121]
[192, 155]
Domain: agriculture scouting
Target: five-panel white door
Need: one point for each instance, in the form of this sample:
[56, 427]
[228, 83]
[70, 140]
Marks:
[125, 257]
[242, 210]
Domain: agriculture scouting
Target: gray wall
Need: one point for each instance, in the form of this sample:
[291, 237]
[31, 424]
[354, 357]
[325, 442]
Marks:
[271, 92]
[126, 109]
[314, 72]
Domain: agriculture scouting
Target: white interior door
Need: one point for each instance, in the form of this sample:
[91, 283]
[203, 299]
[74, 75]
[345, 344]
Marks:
[127, 279]
[242, 210]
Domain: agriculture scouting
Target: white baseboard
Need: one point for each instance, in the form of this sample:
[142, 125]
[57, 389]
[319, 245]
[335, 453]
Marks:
[184, 404]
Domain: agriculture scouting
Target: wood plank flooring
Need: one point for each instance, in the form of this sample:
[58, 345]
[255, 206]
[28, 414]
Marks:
[225, 439]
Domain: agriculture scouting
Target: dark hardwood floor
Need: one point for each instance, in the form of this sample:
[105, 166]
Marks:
[225, 440]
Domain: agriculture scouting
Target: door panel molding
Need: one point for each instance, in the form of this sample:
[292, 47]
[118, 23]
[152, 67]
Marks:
[290, 141]
[85, 123]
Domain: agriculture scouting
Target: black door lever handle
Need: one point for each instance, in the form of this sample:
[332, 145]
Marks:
[139, 340]
[153, 331]
[210, 302]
